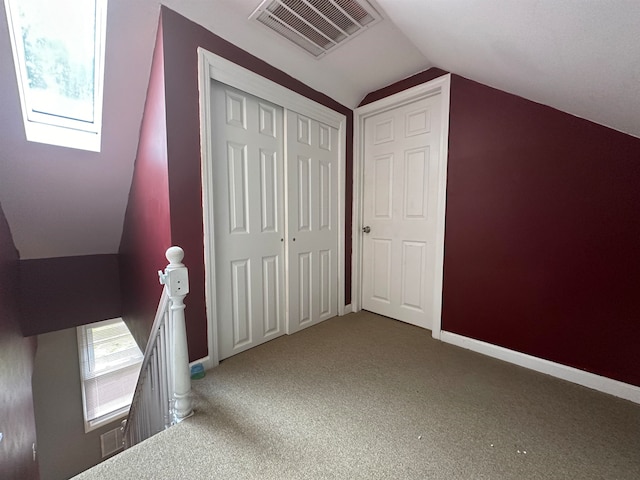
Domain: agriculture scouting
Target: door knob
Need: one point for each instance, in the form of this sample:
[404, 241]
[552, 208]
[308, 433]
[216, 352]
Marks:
[366, 229]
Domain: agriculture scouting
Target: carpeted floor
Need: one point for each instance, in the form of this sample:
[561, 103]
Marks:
[366, 397]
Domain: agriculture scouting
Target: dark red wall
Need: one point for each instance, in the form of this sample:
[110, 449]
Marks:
[181, 40]
[17, 421]
[147, 231]
[64, 292]
[542, 248]
[405, 84]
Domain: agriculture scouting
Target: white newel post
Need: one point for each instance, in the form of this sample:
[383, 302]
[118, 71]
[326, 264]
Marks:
[176, 279]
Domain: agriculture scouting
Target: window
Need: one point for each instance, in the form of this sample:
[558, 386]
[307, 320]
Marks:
[109, 367]
[58, 51]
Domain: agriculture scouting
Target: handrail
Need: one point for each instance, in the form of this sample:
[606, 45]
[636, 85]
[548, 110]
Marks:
[162, 394]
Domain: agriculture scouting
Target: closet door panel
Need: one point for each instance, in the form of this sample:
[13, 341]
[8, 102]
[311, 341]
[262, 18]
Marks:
[249, 219]
[312, 237]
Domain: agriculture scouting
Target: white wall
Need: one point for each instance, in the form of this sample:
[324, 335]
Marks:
[64, 450]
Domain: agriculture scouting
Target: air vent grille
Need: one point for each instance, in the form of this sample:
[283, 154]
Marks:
[318, 26]
[111, 442]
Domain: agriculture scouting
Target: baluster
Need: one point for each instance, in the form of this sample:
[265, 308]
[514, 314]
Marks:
[164, 390]
[152, 393]
[170, 363]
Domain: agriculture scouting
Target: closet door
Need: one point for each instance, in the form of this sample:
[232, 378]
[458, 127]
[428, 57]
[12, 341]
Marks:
[400, 211]
[249, 226]
[312, 236]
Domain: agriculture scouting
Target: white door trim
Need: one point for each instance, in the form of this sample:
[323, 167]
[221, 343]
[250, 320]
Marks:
[440, 85]
[214, 67]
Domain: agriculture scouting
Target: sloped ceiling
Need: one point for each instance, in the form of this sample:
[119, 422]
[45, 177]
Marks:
[375, 58]
[579, 56]
[64, 202]
[582, 57]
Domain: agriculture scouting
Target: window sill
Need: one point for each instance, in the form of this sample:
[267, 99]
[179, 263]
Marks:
[106, 419]
[62, 137]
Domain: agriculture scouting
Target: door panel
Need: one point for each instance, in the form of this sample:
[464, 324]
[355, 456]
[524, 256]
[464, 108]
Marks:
[271, 294]
[416, 181]
[325, 202]
[325, 282]
[381, 269]
[413, 264]
[249, 212]
[400, 199]
[304, 284]
[382, 186]
[241, 303]
[269, 182]
[304, 194]
[313, 213]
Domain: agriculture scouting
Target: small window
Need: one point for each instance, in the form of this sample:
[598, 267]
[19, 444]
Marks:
[58, 51]
[109, 367]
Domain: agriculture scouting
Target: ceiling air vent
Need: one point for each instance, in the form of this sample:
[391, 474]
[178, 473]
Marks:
[318, 26]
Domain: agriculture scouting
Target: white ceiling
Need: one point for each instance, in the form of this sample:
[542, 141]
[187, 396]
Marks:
[375, 58]
[63, 202]
[580, 56]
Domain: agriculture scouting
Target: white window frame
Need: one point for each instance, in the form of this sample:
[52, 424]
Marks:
[49, 128]
[85, 357]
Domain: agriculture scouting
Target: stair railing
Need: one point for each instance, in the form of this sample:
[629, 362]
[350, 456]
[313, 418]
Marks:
[162, 396]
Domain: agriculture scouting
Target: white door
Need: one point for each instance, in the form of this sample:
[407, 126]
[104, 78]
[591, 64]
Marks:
[249, 219]
[312, 181]
[401, 168]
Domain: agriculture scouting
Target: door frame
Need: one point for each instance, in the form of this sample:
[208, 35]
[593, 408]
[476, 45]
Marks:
[439, 86]
[213, 67]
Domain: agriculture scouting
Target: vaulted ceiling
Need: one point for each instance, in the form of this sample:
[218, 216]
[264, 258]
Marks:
[581, 57]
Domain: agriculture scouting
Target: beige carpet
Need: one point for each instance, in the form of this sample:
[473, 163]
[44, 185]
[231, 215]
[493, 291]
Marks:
[366, 397]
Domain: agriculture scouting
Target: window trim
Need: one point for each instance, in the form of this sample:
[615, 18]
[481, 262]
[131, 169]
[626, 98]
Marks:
[85, 356]
[49, 128]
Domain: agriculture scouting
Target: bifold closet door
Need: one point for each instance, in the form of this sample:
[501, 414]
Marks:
[248, 141]
[312, 182]
[271, 244]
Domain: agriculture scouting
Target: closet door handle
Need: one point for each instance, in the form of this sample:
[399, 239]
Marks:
[366, 229]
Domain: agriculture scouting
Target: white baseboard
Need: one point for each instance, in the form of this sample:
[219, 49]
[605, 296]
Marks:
[586, 379]
[206, 362]
[346, 309]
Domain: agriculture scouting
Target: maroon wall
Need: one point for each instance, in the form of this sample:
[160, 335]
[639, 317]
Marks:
[147, 231]
[542, 248]
[64, 292]
[17, 422]
[412, 81]
[181, 40]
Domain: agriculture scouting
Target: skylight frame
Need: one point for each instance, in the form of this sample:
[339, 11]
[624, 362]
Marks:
[50, 128]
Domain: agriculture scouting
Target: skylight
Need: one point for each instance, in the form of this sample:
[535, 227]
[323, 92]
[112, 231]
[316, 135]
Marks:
[58, 51]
